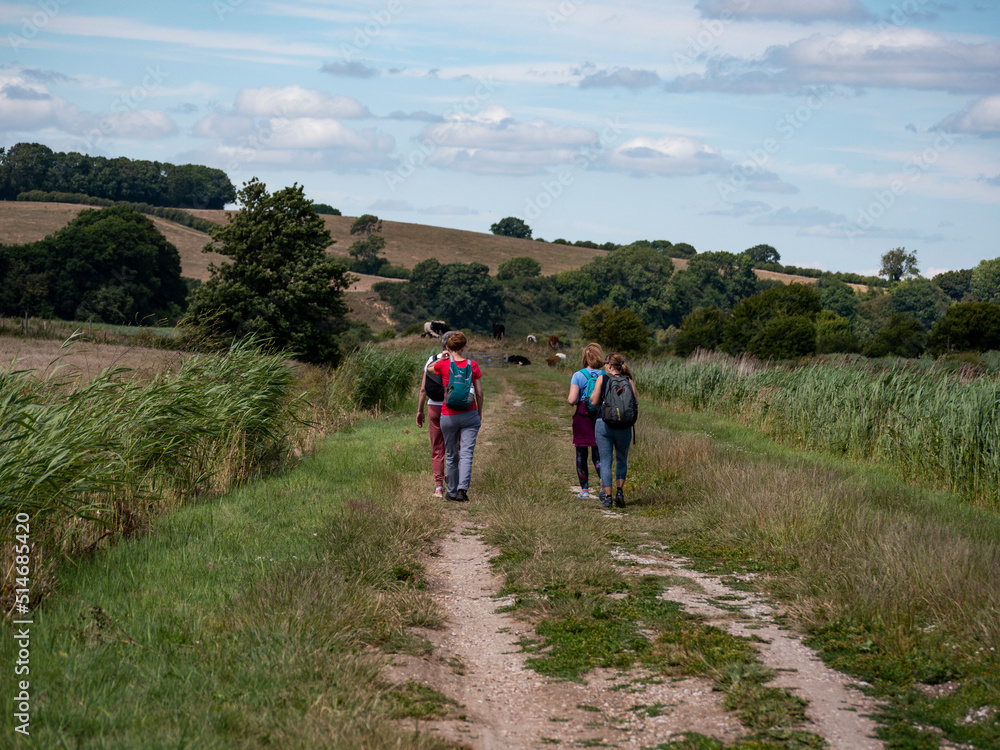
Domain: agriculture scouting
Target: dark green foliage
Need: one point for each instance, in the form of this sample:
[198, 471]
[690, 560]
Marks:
[702, 329]
[110, 266]
[837, 296]
[32, 166]
[512, 227]
[535, 304]
[785, 337]
[616, 329]
[752, 325]
[280, 285]
[366, 225]
[897, 264]
[833, 334]
[718, 279]
[325, 209]
[462, 293]
[920, 298]
[519, 268]
[682, 250]
[763, 254]
[366, 255]
[901, 336]
[985, 281]
[966, 326]
[956, 284]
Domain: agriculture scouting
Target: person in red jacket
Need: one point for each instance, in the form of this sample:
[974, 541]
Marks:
[459, 425]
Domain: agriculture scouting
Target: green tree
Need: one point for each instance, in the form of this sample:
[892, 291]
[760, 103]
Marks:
[785, 337]
[326, 209]
[956, 284]
[833, 334]
[966, 326]
[838, 296]
[897, 264]
[111, 265]
[750, 329]
[511, 227]
[760, 254]
[718, 279]
[702, 329]
[901, 336]
[985, 281]
[519, 268]
[620, 330]
[366, 250]
[280, 283]
[921, 298]
[366, 225]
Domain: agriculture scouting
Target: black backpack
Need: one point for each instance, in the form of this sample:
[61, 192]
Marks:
[434, 386]
[619, 407]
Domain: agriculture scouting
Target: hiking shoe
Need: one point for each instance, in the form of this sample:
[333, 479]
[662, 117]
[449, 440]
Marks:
[439, 492]
[452, 496]
[585, 495]
[605, 500]
[620, 498]
[462, 496]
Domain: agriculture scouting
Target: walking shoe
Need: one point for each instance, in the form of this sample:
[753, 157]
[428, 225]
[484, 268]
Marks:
[462, 496]
[453, 496]
[439, 492]
[605, 500]
[620, 498]
[585, 494]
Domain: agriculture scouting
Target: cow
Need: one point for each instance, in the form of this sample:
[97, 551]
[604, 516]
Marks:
[517, 359]
[553, 361]
[560, 355]
[532, 339]
[555, 343]
[434, 328]
[498, 331]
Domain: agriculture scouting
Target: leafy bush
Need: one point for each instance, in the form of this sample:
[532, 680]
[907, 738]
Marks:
[702, 329]
[966, 326]
[615, 329]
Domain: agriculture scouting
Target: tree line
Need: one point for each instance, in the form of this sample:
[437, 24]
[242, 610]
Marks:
[28, 167]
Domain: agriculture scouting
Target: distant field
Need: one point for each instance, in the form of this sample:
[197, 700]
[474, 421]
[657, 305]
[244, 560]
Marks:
[406, 244]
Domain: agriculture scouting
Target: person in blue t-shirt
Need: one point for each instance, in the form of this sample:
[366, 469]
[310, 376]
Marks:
[583, 419]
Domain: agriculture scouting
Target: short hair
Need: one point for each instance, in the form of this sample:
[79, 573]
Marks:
[456, 342]
[593, 356]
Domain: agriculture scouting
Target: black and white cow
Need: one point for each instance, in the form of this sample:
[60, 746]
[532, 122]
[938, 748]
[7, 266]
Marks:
[434, 328]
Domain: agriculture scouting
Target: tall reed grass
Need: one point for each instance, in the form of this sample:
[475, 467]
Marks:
[377, 378]
[935, 427]
[90, 460]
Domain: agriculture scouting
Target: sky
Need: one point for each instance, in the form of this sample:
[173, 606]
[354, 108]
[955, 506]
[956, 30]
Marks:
[833, 130]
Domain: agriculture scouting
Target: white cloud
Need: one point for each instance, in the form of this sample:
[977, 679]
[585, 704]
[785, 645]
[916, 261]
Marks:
[801, 11]
[979, 117]
[887, 57]
[492, 141]
[142, 123]
[323, 133]
[668, 155]
[296, 101]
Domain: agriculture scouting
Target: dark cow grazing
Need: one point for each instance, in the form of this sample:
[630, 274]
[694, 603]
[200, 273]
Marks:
[531, 339]
[517, 359]
[434, 328]
[498, 331]
[555, 343]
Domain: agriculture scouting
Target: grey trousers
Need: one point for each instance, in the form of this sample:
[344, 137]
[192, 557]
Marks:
[460, 432]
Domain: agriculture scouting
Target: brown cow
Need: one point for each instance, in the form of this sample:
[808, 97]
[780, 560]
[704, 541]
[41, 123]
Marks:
[554, 342]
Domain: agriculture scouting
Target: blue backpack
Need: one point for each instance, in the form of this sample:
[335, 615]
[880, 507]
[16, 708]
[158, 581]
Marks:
[459, 395]
[588, 389]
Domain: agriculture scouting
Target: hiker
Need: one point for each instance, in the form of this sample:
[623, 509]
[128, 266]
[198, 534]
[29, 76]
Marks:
[432, 393]
[581, 386]
[460, 414]
[615, 423]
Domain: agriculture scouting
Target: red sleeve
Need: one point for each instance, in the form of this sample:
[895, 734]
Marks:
[476, 372]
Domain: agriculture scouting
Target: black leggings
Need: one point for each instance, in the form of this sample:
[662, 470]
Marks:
[581, 464]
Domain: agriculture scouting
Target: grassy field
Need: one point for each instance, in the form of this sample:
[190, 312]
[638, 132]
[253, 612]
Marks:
[263, 617]
[406, 244]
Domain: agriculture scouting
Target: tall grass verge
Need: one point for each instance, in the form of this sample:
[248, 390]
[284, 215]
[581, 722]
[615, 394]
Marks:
[375, 378]
[94, 460]
[932, 426]
[258, 620]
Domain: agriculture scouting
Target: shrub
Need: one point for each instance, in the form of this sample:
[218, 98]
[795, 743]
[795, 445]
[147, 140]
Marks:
[702, 329]
[615, 329]
[966, 326]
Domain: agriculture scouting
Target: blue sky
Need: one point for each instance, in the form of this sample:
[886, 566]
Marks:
[834, 130]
